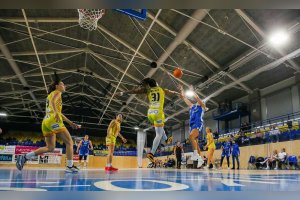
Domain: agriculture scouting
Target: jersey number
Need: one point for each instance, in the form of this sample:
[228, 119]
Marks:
[155, 96]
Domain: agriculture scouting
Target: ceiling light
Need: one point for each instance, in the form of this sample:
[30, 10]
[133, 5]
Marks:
[279, 37]
[3, 114]
[189, 93]
[136, 128]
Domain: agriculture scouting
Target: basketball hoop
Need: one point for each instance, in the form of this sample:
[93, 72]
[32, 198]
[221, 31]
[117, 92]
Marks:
[88, 18]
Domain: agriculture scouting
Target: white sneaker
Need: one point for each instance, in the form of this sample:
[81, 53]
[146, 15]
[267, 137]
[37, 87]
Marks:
[195, 156]
[72, 169]
[275, 168]
[206, 167]
[200, 162]
[267, 168]
[228, 168]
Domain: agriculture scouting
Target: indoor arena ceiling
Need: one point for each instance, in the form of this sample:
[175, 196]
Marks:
[225, 54]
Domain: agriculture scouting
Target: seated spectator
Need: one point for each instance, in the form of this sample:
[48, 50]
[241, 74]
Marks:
[282, 156]
[244, 139]
[247, 127]
[258, 137]
[231, 138]
[271, 160]
[243, 128]
[274, 133]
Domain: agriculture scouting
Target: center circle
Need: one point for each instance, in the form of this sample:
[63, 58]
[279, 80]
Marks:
[139, 185]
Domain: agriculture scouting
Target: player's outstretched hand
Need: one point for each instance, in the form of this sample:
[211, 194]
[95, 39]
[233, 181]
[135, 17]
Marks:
[124, 140]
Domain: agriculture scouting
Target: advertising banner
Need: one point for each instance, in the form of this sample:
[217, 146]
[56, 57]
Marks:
[51, 157]
[6, 158]
[100, 152]
[24, 149]
[7, 149]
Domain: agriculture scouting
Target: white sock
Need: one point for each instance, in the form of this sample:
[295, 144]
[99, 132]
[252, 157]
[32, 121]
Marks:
[29, 155]
[159, 133]
[108, 165]
[195, 152]
[70, 163]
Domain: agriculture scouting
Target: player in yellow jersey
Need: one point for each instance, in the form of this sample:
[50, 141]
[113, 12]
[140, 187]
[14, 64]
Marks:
[211, 147]
[113, 131]
[156, 116]
[53, 126]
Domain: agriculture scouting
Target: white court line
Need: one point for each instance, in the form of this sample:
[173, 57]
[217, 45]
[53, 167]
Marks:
[56, 186]
[230, 182]
[219, 179]
[29, 182]
[263, 182]
[271, 179]
[23, 189]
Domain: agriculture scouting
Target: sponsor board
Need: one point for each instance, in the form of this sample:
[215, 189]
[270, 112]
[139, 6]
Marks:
[6, 158]
[7, 149]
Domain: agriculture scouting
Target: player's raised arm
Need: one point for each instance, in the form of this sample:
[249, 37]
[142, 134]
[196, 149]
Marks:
[199, 101]
[170, 92]
[188, 103]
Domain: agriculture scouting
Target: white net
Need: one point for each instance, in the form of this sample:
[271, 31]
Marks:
[88, 18]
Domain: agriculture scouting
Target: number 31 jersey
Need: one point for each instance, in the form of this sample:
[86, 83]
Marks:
[156, 96]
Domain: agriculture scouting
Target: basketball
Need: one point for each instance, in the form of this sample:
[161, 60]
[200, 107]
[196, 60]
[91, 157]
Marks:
[178, 73]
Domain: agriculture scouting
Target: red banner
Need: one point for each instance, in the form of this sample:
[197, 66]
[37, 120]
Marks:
[24, 149]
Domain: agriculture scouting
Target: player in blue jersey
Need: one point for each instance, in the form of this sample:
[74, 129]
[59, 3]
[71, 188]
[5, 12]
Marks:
[235, 153]
[83, 149]
[196, 123]
[226, 151]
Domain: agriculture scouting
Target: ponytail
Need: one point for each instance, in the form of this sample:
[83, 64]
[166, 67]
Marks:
[53, 85]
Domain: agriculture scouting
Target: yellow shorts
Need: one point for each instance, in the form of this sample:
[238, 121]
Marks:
[156, 117]
[212, 146]
[50, 126]
[110, 140]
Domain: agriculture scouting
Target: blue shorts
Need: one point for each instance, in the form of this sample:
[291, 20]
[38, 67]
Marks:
[225, 154]
[84, 153]
[198, 126]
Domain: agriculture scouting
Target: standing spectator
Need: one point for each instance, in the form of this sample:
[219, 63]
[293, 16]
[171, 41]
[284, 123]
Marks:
[225, 152]
[178, 150]
[235, 155]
